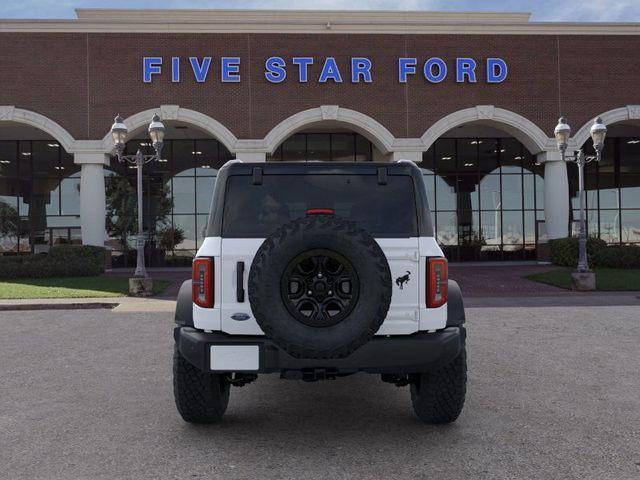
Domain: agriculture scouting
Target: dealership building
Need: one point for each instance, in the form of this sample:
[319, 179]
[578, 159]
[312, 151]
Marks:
[473, 98]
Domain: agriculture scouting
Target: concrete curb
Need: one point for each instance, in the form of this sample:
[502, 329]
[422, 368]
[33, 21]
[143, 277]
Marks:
[57, 306]
[115, 304]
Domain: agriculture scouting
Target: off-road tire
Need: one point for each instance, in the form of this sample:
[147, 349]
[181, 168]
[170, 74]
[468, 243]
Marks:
[438, 396]
[328, 232]
[200, 397]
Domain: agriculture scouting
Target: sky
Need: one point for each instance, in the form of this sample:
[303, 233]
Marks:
[542, 10]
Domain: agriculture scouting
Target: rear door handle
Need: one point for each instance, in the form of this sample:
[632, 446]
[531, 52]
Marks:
[240, 282]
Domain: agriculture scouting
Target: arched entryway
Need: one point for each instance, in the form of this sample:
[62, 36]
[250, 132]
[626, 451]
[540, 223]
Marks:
[326, 143]
[329, 133]
[177, 195]
[39, 184]
[613, 185]
[486, 190]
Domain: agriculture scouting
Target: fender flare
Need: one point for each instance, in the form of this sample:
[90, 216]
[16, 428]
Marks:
[455, 306]
[184, 305]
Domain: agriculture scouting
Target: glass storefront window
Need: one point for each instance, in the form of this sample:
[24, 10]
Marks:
[318, 147]
[512, 229]
[511, 155]
[8, 159]
[183, 195]
[182, 157]
[39, 195]
[612, 191]
[447, 228]
[530, 228]
[70, 195]
[445, 198]
[491, 214]
[529, 191]
[294, 148]
[204, 193]
[445, 160]
[490, 197]
[630, 191]
[201, 228]
[336, 147]
[630, 224]
[188, 225]
[364, 149]
[487, 158]
[610, 225]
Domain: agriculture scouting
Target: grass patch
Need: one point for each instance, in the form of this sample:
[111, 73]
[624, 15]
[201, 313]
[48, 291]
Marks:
[607, 279]
[71, 287]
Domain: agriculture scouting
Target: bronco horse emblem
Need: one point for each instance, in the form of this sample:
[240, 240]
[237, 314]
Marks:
[400, 281]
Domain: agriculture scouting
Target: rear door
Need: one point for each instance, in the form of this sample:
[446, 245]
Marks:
[253, 211]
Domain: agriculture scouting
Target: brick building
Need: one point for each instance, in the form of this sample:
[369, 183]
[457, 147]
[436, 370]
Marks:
[473, 97]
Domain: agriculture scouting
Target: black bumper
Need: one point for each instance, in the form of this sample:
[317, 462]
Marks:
[399, 354]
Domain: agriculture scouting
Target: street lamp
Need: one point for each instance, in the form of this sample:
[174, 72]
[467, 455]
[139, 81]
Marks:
[119, 133]
[598, 133]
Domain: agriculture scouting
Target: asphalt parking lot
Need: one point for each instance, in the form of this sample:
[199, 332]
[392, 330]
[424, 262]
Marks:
[554, 392]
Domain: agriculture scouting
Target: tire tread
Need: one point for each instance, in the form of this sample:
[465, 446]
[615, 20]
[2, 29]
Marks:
[200, 397]
[438, 396]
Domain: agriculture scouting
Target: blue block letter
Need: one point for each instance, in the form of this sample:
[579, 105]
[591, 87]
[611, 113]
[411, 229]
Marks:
[275, 69]
[496, 70]
[303, 66]
[428, 70]
[406, 66]
[150, 66]
[200, 71]
[331, 71]
[230, 70]
[360, 67]
[175, 69]
[465, 67]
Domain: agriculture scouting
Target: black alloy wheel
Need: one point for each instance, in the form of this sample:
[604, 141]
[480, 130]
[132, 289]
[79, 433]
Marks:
[320, 288]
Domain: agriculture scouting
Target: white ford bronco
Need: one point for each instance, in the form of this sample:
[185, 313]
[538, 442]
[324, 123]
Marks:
[317, 271]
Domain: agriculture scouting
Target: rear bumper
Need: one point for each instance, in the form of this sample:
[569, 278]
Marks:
[400, 354]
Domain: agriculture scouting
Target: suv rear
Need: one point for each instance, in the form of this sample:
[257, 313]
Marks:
[315, 271]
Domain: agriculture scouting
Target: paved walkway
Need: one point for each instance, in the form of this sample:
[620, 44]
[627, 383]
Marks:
[502, 280]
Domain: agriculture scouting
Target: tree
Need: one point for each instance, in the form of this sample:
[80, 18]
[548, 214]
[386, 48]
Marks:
[169, 237]
[122, 209]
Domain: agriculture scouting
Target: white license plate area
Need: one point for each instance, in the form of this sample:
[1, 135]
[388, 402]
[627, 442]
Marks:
[233, 358]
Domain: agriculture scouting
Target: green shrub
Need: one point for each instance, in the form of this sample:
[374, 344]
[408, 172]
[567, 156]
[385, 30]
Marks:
[564, 251]
[618, 256]
[61, 261]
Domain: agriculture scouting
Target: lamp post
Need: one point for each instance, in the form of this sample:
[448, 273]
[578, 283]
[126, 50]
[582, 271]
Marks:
[119, 133]
[562, 133]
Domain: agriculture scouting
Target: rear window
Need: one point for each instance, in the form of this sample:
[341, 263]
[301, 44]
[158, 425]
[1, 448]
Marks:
[257, 210]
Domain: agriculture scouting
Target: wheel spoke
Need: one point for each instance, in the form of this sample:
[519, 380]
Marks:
[344, 287]
[297, 286]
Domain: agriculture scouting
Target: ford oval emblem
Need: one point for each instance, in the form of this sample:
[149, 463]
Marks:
[241, 317]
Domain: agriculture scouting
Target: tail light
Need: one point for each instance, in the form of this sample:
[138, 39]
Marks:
[320, 211]
[202, 282]
[437, 282]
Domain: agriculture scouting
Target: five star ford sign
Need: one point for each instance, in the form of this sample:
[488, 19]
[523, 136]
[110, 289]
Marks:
[361, 69]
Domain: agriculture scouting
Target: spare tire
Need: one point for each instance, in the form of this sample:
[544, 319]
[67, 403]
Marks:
[320, 287]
